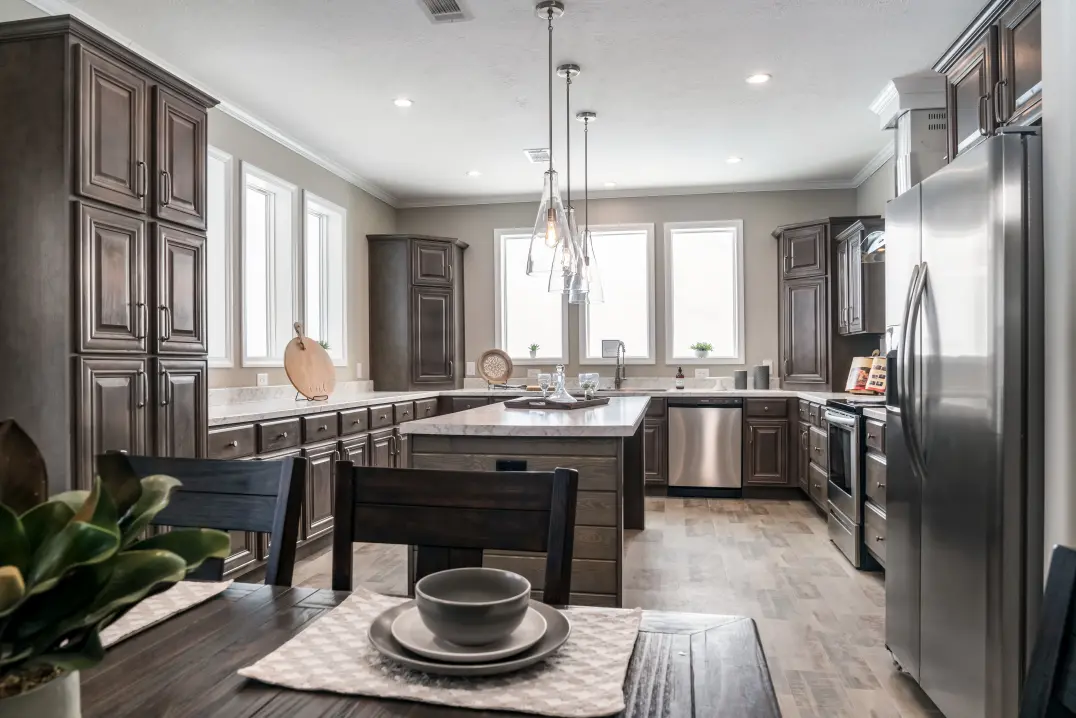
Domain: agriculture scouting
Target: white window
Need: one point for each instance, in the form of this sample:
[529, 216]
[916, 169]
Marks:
[525, 311]
[325, 289]
[219, 257]
[269, 262]
[625, 255]
[704, 291]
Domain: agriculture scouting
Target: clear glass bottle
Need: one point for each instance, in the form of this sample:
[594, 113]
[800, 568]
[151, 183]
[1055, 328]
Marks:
[560, 392]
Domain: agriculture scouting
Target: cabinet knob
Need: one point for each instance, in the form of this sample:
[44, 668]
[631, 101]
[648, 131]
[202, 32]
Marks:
[765, 408]
[818, 486]
[879, 538]
[880, 484]
[384, 416]
[356, 422]
[233, 444]
[406, 413]
[282, 435]
[323, 428]
[817, 450]
[871, 436]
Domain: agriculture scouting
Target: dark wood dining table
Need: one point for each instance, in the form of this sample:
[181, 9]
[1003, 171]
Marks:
[684, 664]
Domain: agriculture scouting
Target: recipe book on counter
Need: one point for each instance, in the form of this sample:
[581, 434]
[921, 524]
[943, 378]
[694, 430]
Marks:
[867, 376]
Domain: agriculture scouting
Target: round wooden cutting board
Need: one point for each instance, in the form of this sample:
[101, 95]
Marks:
[309, 367]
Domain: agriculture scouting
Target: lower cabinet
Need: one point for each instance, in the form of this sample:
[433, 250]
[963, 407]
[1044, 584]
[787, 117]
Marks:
[381, 448]
[318, 503]
[181, 407]
[654, 456]
[244, 552]
[803, 456]
[401, 447]
[113, 412]
[767, 453]
[355, 450]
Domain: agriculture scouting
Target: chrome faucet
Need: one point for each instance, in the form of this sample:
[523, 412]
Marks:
[618, 377]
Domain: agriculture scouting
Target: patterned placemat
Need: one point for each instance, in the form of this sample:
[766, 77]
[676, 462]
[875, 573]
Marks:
[585, 678]
[184, 595]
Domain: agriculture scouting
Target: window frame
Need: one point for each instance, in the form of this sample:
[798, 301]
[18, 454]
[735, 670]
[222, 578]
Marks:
[246, 169]
[313, 198]
[651, 358]
[723, 224]
[499, 318]
[227, 361]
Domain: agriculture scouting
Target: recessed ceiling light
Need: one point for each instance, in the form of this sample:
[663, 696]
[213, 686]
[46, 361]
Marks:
[759, 78]
[474, 173]
[734, 160]
[402, 102]
[610, 185]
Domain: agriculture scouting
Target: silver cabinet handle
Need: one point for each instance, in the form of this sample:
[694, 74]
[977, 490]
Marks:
[451, 368]
[143, 179]
[143, 382]
[880, 484]
[166, 193]
[879, 538]
[450, 272]
[166, 322]
[164, 386]
[323, 427]
[392, 445]
[282, 435]
[999, 108]
[983, 100]
[233, 444]
[141, 321]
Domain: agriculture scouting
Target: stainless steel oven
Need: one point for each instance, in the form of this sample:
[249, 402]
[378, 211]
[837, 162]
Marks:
[844, 491]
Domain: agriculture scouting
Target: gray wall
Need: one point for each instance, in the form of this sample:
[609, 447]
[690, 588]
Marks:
[878, 189]
[18, 10]
[365, 215]
[761, 212]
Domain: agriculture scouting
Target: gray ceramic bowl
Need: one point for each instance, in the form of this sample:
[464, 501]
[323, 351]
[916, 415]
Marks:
[472, 606]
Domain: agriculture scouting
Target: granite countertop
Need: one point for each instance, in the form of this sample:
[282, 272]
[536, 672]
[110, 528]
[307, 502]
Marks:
[619, 418]
[876, 414]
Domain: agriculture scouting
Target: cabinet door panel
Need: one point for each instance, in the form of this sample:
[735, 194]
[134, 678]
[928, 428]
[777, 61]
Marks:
[318, 507]
[431, 262]
[431, 335]
[803, 251]
[854, 323]
[767, 453]
[805, 332]
[181, 160]
[181, 408]
[1020, 90]
[356, 450]
[243, 553]
[843, 287]
[112, 132]
[112, 312]
[804, 456]
[112, 412]
[654, 451]
[180, 295]
[401, 450]
[970, 95]
[381, 449]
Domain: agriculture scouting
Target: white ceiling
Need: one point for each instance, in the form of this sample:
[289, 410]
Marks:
[666, 78]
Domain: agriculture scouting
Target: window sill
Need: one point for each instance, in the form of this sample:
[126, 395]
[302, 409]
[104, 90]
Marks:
[539, 361]
[676, 361]
[221, 364]
[263, 363]
[589, 361]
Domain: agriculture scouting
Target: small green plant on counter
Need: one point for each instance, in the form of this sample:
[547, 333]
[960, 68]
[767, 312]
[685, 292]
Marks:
[702, 346]
[533, 348]
[324, 344]
[72, 565]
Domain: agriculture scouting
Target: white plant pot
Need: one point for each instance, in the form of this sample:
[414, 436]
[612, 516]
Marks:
[701, 353]
[534, 354]
[59, 698]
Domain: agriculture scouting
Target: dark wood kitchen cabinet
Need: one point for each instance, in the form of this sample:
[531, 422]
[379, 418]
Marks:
[803, 251]
[767, 453]
[803, 456]
[89, 256]
[804, 330]
[243, 554]
[860, 284]
[318, 503]
[381, 449]
[654, 453]
[416, 309]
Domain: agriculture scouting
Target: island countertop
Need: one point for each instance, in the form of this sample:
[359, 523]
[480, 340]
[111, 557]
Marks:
[621, 417]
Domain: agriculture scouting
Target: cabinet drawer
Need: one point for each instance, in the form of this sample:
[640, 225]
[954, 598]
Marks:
[404, 411]
[874, 478]
[231, 443]
[804, 412]
[425, 408]
[277, 435]
[875, 436]
[463, 403]
[819, 441]
[380, 416]
[354, 421]
[596, 508]
[814, 414]
[656, 407]
[817, 480]
[767, 407]
[318, 427]
[874, 532]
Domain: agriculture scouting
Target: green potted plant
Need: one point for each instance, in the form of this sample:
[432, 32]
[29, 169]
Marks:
[534, 351]
[324, 344]
[71, 566]
[702, 349]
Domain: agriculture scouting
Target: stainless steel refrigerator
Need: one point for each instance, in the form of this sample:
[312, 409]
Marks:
[964, 309]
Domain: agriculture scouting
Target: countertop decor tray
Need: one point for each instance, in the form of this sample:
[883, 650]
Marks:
[533, 402]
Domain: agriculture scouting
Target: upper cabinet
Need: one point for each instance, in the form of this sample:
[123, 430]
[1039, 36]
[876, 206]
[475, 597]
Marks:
[180, 160]
[994, 73]
[860, 281]
[803, 251]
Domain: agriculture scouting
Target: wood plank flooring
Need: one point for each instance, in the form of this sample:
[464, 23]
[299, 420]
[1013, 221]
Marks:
[822, 622]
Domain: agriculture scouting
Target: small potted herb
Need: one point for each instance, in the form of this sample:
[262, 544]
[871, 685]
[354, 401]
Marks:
[534, 351]
[702, 349]
[324, 344]
[71, 566]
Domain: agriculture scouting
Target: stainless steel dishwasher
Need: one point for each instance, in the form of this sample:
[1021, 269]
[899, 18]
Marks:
[705, 447]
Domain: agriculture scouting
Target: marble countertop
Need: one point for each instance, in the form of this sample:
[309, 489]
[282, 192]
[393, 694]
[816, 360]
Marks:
[876, 414]
[619, 418]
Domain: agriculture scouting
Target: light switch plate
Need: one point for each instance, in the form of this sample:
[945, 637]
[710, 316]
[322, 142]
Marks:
[532, 373]
[768, 363]
[263, 380]
[358, 370]
[702, 373]
[470, 368]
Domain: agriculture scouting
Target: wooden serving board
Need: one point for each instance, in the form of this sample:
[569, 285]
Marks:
[309, 367]
[529, 402]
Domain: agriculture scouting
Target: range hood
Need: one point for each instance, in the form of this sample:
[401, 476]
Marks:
[913, 107]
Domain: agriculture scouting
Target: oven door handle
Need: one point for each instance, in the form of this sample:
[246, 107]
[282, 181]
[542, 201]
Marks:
[834, 417]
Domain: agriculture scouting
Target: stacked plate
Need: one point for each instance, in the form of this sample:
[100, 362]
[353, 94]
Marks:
[470, 622]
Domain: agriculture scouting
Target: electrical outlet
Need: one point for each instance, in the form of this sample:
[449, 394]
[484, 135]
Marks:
[702, 373]
[532, 373]
[263, 380]
[471, 368]
[768, 363]
[358, 370]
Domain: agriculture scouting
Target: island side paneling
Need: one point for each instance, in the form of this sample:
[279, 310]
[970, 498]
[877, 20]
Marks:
[597, 564]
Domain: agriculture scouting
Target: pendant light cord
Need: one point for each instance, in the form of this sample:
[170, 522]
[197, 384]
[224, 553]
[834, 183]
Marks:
[551, 89]
[586, 187]
[568, 132]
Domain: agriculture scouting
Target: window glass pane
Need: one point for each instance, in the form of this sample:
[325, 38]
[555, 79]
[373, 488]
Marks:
[624, 260]
[315, 240]
[256, 273]
[218, 198]
[530, 314]
[325, 276]
[703, 280]
[269, 266]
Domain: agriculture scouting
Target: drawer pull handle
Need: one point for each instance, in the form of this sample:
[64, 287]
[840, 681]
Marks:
[765, 408]
[406, 413]
[323, 428]
[879, 538]
[384, 416]
[871, 436]
[817, 450]
[356, 422]
[282, 435]
[234, 444]
[818, 486]
[880, 484]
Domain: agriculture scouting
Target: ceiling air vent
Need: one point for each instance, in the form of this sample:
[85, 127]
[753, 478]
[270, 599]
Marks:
[445, 10]
[537, 156]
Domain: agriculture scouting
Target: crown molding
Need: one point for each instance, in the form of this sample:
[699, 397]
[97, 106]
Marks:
[874, 164]
[62, 7]
[630, 193]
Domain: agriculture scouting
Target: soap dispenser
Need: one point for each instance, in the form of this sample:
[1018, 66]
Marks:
[679, 377]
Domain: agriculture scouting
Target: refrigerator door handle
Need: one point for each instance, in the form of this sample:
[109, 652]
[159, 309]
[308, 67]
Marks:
[908, 414]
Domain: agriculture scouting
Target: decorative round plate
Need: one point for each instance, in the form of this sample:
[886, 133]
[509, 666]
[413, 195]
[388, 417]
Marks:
[411, 633]
[495, 366]
[309, 368]
[557, 632]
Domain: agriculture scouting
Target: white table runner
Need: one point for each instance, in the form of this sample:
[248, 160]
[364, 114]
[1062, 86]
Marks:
[179, 598]
[585, 678]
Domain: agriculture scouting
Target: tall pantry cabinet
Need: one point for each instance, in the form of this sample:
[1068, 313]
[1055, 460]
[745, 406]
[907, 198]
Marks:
[102, 249]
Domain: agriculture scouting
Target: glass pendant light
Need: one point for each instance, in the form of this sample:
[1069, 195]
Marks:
[590, 277]
[568, 279]
[551, 224]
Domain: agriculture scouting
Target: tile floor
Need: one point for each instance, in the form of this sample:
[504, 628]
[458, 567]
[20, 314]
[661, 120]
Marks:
[821, 621]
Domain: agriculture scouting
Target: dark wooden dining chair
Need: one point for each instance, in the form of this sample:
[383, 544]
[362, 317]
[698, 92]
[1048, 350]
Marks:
[452, 516]
[1050, 688]
[263, 496]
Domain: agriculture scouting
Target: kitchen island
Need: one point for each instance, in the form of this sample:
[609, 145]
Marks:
[603, 443]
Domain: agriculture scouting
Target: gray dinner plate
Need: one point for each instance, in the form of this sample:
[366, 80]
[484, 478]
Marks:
[558, 628]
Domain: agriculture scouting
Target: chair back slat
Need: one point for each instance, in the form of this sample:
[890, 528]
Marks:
[259, 496]
[1050, 688]
[452, 516]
